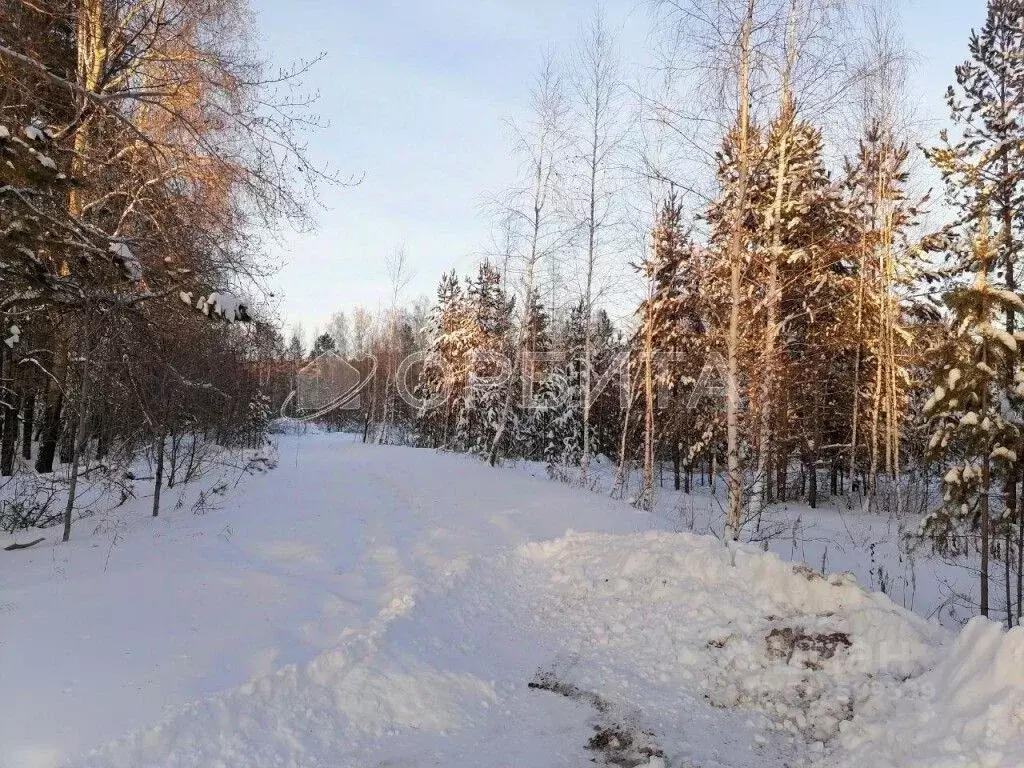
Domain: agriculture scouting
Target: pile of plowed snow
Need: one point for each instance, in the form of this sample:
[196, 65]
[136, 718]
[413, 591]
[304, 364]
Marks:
[857, 679]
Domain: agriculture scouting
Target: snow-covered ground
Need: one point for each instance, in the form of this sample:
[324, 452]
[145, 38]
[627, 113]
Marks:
[380, 606]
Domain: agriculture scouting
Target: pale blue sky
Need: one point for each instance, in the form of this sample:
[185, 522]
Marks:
[417, 93]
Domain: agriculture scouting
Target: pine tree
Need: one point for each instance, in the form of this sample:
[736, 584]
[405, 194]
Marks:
[679, 337]
[561, 397]
[969, 408]
[817, 303]
[885, 263]
[324, 343]
[606, 406]
[441, 384]
[538, 371]
[984, 166]
[670, 324]
[295, 350]
[793, 351]
[483, 411]
[816, 298]
[984, 173]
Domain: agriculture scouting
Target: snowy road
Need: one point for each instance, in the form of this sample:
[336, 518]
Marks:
[136, 616]
[377, 606]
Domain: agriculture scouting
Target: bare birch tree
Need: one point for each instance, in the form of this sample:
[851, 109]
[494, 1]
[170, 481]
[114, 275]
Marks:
[600, 127]
[176, 145]
[736, 259]
[536, 207]
[399, 275]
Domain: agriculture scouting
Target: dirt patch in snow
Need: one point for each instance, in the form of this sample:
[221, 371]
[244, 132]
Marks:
[798, 676]
[547, 681]
[617, 740]
[808, 649]
[626, 747]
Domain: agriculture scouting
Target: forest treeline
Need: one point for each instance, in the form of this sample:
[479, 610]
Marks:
[814, 322]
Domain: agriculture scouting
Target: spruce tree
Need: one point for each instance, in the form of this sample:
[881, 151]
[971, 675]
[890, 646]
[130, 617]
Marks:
[324, 343]
[538, 368]
[969, 410]
[561, 397]
[482, 410]
[442, 377]
[885, 264]
[816, 298]
[606, 409]
[295, 350]
[671, 323]
[983, 167]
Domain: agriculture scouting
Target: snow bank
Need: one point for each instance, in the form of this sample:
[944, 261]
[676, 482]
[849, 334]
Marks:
[858, 680]
[747, 628]
[966, 711]
[307, 715]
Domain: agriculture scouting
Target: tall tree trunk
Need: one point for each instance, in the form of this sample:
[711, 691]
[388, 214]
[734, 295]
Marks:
[79, 444]
[159, 479]
[646, 496]
[102, 432]
[176, 439]
[499, 435]
[28, 425]
[369, 414]
[10, 409]
[890, 321]
[736, 253]
[66, 447]
[781, 480]
[599, 93]
[9, 441]
[1007, 559]
[1010, 254]
[1020, 560]
[588, 341]
[51, 428]
[857, 357]
[986, 479]
[876, 407]
[786, 120]
[986, 522]
[619, 482]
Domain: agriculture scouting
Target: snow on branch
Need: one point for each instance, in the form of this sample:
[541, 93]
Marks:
[220, 306]
[126, 259]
